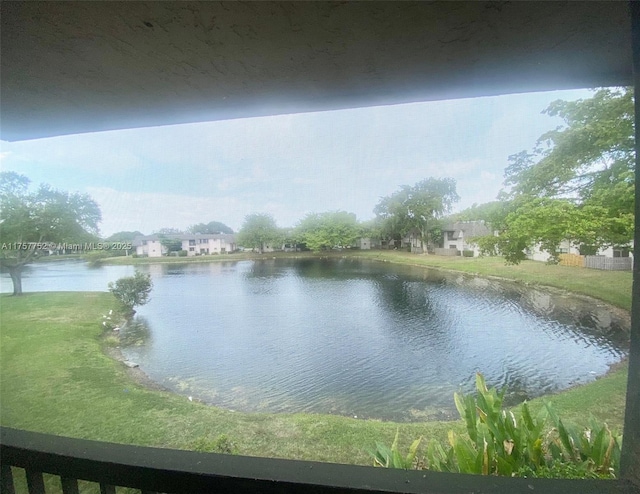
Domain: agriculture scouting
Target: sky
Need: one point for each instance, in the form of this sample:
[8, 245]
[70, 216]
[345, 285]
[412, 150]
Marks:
[288, 165]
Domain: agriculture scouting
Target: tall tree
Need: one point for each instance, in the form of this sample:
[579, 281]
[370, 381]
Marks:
[259, 230]
[417, 207]
[210, 228]
[578, 176]
[32, 221]
[323, 231]
[476, 212]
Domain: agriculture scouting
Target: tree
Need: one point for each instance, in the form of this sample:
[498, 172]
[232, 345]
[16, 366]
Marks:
[417, 207]
[323, 231]
[371, 229]
[476, 212]
[132, 291]
[212, 227]
[171, 244]
[34, 221]
[578, 182]
[593, 151]
[124, 236]
[259, 230]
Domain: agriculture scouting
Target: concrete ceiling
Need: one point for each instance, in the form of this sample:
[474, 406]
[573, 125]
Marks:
[76, 67]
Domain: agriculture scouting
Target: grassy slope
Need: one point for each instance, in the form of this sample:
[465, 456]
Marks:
[55, 378]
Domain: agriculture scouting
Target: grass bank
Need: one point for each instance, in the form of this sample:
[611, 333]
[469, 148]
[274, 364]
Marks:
[56, 378]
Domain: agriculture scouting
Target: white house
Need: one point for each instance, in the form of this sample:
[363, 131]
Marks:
[413, 241]
[367, 243]
[149, 246]
[206, 244]
[536, 253]
[460, 235]
[193, 245]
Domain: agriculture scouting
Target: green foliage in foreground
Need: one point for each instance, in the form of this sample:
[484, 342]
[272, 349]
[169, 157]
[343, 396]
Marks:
[391, 457]
[496, 443]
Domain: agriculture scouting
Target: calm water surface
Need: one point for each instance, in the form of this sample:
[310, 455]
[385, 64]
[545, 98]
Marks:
[350, 337]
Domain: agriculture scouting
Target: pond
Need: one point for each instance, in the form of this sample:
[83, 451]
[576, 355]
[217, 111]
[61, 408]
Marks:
[351, 337]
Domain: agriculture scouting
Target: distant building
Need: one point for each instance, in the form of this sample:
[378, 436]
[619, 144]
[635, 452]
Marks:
[193, 245]
[149, 246]
[413, 241]
[367, 243]
[205, 244]
[460, 236]
[536, 253]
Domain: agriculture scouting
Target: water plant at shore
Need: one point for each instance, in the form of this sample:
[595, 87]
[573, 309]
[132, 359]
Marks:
[498, 443]
[391, 457]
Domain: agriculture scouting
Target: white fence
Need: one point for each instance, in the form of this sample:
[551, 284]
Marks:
[609, 263]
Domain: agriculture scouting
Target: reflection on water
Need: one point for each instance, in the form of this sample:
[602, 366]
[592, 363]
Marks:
[66, 276]
[364, 339]
[353, 337]
[136, 332]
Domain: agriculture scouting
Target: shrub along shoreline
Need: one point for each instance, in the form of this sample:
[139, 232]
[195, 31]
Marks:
[57, 378]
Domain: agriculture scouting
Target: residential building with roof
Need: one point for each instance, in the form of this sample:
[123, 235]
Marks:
[461, 235]
[192, 244]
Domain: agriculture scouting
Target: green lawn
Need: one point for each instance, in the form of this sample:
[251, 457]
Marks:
[56, 378]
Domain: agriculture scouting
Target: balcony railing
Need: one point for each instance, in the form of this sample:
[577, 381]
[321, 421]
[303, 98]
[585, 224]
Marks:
[167, 470]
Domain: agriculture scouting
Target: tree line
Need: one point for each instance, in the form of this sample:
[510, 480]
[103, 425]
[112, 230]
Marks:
[418, 208]
[576, 185]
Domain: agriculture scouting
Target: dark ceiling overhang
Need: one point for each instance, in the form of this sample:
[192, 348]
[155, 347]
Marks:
[74, 67]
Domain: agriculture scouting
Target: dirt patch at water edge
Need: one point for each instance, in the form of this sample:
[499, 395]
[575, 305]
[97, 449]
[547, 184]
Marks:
[136, 374]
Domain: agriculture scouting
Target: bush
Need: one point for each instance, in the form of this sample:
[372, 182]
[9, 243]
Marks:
[497, 443]
[467, 253]
[132, 291]
[489, 245]
[182, 253]
[391, 457]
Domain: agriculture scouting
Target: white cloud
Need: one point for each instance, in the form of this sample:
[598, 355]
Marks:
[148, 212]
